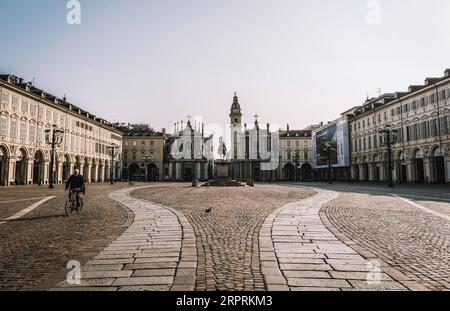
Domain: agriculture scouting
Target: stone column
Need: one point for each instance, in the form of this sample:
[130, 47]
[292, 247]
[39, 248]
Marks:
[198, 174]
[88, 171]
[60, 172]
[372, 167]
[427, 169]
[409, 175]
[383, 169]
[170, 171]
[30, 165]
[101, 173]
[46, 172]
[205, 171]
[395, 171]
[10, 163]
[95, 177]
[108, 173]
[177, 171]
[71, 168]
[81, 168]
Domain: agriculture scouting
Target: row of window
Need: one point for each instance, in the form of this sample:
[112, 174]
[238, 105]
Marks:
[32, 109]
[135, 143]
[84, 126]
[296, 157]
[144, 156]
[291, 143]
[426, 129]
[32, 132]
[442, 95]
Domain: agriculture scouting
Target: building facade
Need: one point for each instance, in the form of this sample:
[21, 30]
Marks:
[422, 118]
[331, 151]
[190, 154]
[295, 155]
[26, 112]
[251, 149]
[143, 153]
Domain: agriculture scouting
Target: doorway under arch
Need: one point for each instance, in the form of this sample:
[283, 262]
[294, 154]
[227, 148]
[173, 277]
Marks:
[21, 167]
[419, 167]
[66, 168]
[438, 166]
[152, 172]
[289, 172]
[306, 172]
[38, 168]
[4, 155]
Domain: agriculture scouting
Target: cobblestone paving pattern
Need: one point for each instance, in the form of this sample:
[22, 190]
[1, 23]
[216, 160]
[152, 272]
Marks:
[415, 242]
[146, 256]
[299, 253]
[38, 245]
[227, 237]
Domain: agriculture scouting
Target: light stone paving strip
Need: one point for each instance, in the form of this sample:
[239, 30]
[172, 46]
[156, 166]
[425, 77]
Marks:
[299, 253]
[156, 253]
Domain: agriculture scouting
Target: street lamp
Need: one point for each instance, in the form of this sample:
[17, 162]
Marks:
[53, 137]
[389, 137]
[146, 157]
[112, 149]
[329, 148]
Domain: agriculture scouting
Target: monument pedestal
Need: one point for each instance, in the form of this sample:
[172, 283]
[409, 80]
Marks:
[222, 176]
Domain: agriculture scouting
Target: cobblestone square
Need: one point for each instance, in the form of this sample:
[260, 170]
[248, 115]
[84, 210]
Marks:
[166, 236]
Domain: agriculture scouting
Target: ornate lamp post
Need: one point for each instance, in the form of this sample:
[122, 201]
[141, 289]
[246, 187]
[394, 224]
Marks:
[329, 149]
[146, 157]
[389, 138]
[53, 138]
[113, 149]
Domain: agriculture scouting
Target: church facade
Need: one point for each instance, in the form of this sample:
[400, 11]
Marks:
[190, 154]
[252, 153]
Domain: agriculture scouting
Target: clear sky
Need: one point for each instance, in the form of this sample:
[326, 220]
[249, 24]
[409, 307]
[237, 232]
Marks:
[158, 61]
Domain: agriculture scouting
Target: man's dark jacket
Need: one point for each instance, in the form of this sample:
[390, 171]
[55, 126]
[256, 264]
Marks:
[75, 182]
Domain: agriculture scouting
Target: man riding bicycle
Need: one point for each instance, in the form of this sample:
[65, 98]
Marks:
[75, 183]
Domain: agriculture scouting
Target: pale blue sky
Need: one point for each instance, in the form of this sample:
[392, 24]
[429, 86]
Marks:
[157, 61]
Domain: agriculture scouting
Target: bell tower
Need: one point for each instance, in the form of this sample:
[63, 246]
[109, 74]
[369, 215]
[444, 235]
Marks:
[235, 112]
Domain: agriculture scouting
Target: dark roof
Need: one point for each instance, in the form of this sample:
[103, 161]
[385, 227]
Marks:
[384, 99]
[235, 104]
[22, 84]
[296, 133]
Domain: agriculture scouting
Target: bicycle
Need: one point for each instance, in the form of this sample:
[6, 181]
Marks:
[71, 203]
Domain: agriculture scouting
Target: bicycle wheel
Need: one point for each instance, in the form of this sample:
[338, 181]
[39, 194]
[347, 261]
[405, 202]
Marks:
[68, 208]
[81, 205]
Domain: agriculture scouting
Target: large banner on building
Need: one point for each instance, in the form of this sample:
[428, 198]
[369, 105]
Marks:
[331, 143]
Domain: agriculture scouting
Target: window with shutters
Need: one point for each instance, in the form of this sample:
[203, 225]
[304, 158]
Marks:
[13, 127]
[5, 100]
[41, 133]
[48, 114]
[32, 132]
[24, 107]
[434, 130]
[444, 125]
[15, 104]
[433, 98]
[3, 125]
[33, 109]
[23, 129]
